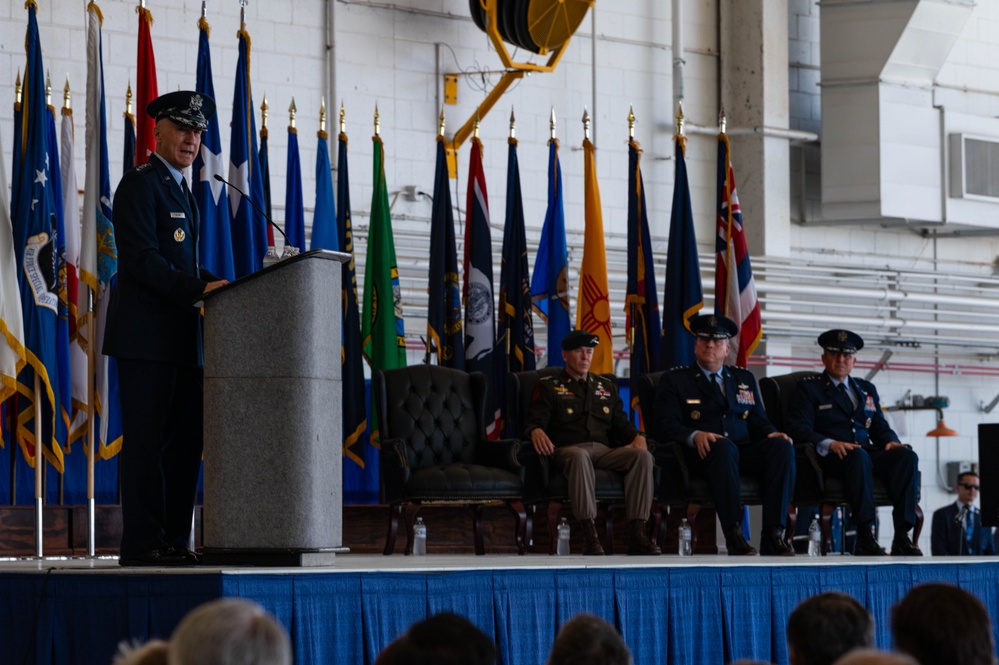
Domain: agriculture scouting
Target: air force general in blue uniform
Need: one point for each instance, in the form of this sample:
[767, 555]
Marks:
[716, 412]
[841, 415]
[154, 331]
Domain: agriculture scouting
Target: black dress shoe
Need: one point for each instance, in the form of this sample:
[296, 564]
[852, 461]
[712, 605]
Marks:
[737, 544]
[903, 546]
[168, 556]
[867, 546]
[191, 558]
[772, 543]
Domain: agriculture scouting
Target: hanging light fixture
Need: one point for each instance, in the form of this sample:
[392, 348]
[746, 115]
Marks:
[941, 429]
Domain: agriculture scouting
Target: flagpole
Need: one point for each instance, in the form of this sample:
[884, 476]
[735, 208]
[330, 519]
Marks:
[512, 139]
[38, 465]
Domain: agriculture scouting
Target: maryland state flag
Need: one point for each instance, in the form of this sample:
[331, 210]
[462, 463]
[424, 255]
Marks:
[735, 289]
[37, 255]
[682, 295]
[214, 236]
[477, 294]
[642, 322]
[146, 88]
[515, 328]
[444, 337]
[593, 302]
[550, 281]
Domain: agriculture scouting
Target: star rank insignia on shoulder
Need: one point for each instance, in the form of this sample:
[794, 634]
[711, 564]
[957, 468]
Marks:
[142, 167]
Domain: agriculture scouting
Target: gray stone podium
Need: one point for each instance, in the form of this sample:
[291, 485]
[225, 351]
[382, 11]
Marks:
[273, 483]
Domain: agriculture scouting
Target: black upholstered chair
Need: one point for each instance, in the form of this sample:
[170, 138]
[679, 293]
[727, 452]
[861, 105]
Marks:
[812, 486]
[434, 448]
[545, 485]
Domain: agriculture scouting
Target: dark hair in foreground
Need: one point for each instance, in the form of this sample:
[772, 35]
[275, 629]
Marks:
[443, 639]
[589, 640]
[940, 623]
[826, 626]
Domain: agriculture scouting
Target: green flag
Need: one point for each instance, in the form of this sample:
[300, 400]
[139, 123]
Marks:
[382, 326]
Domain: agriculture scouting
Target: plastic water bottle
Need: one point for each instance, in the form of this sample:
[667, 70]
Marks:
[419, 537]
[814, 538]
[683, 540]
[562, 548]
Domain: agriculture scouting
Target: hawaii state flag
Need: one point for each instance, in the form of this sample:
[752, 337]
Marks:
[735, 290]
[214, 236]
[682, 295]
[444, 338]
[642, 322]
[593, 302]
[249, 228]
[146, 89]
[477, 292]
[550, 281]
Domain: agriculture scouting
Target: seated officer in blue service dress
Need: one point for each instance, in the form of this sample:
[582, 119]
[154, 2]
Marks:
[154, 331]
[841, 415]
[578, 419]
[957, 527]
[716, 412]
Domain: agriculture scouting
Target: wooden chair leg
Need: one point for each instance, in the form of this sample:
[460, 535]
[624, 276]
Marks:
[520, 524]
[692, 510]
[480, 546]
[609, 528]
[409, 513]
[553, 508]
[919, 524]
[792, 523]
[825, 524]
[394, 512]
[657, 519]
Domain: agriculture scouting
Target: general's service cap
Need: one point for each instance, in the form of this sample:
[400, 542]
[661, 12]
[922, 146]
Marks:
[841, 341]
[578, 338]
[185, 107]
[713, 326]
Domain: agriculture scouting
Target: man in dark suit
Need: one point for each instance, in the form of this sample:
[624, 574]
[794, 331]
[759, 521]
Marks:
[154, 331]
[577, 418]
[841, 415]
[957, 527]
[717, 414]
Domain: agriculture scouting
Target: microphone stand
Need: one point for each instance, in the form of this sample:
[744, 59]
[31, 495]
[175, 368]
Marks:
[271, 257]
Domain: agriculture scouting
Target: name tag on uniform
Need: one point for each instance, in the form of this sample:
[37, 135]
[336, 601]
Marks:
[823, 407]
[177, 215]
[693, 401]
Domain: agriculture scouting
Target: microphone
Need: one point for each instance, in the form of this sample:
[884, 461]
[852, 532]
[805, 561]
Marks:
[959, 518]
[254, 204]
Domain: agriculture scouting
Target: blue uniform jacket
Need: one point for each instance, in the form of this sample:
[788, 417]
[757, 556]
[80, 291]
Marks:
[820, 411]
[686, 401]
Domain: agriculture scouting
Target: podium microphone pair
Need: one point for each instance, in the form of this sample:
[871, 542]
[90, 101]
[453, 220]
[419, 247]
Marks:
[254, 204]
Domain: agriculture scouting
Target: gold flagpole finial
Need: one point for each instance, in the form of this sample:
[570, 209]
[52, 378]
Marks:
[679, 118]
[631, 123]
[722, 121]
[17, 87]
[322, 113]
[263, 112]
[292, 109]
[475, 127]
[586, 124]
[440, 122]
[48, 88]
[551, 124]
[343, 119]
[378, 124]
[513, 125]
[67, 97]
[128, 99]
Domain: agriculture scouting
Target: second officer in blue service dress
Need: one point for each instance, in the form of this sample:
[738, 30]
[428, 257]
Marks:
[154, 332]
[715, 412]
[841, 415]
[578, 419]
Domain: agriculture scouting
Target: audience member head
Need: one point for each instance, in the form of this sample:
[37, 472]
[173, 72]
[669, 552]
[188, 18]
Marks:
[589, 640]
[874, 657]
[443, 639]
[940, 623]
[153, 652]
[826, 626]
[230, 631]
[967, 487]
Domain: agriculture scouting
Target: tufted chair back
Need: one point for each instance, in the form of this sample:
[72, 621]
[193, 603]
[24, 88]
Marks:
[437, 411]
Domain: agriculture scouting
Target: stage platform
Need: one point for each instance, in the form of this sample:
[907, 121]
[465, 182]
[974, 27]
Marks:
[702, 610]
